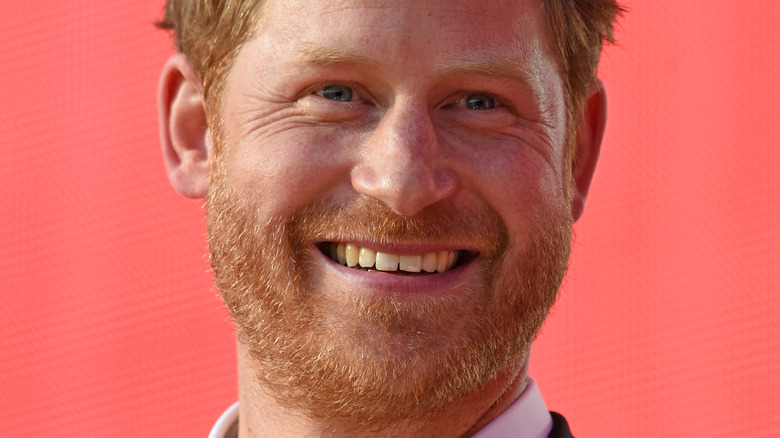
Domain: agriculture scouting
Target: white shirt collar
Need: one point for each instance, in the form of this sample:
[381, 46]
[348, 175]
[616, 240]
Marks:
[527, 417]
[227, 424]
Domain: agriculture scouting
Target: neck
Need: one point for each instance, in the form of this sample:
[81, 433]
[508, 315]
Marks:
[261, 415]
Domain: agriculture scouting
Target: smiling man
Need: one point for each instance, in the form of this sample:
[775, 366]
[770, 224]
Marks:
[390, 189]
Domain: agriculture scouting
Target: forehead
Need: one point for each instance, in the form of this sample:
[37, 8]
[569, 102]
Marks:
[404, 29]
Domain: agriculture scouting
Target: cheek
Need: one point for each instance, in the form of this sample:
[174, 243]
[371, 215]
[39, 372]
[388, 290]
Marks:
[527, 194]
[525, 190]
[511, 175]
[281, 172]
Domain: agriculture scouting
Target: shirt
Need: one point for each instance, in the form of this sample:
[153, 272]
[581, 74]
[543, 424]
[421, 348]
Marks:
[527, 417]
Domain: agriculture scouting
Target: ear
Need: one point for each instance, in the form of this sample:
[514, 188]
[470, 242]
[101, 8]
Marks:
[589, 135]
[184, 134]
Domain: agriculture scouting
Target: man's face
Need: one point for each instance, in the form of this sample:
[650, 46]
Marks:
[431, 134]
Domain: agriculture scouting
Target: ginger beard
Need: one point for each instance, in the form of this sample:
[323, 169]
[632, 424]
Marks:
[356, 359]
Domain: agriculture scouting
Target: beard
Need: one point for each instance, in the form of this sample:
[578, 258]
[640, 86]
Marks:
[357, 360]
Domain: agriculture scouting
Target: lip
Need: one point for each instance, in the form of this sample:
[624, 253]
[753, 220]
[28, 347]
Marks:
[379, 283]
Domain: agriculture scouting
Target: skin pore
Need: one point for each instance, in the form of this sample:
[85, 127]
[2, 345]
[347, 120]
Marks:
[406, 128]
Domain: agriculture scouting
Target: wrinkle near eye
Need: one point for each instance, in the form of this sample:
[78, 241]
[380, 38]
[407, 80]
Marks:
[258, 121]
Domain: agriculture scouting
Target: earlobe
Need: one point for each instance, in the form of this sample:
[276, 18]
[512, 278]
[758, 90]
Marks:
[589, 136]
[184, 133]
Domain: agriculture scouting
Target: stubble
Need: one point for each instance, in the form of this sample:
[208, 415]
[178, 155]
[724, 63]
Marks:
[355, 360]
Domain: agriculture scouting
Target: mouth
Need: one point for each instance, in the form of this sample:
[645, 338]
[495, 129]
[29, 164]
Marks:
[365, 258]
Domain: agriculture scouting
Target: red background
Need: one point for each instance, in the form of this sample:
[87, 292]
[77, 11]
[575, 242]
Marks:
[668, 324]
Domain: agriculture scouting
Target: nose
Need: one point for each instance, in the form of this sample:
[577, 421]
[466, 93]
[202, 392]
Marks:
[402, 163]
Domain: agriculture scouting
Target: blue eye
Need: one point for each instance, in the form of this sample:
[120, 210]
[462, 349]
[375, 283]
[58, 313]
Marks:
[339, 93]
[479, 102]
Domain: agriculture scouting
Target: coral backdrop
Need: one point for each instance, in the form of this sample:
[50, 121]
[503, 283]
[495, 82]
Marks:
[668, 324]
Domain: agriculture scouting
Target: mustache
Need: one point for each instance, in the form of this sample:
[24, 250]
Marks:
[363, 218]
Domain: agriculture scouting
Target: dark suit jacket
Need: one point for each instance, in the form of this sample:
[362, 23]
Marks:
[560, 427]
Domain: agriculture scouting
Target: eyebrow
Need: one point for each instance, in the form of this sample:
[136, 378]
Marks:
[479, 62]
[488, 64]
[332, 55]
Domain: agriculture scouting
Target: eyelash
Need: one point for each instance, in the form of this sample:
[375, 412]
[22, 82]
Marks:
[316, 89]
[500, 102]
[337, 92]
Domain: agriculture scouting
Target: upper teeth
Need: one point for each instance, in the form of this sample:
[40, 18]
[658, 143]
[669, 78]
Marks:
[352, 255]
